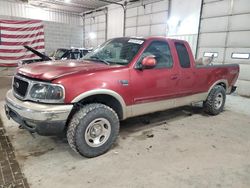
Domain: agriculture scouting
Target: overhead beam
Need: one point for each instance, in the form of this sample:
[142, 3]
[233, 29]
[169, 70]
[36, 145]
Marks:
[64, 6]
[112, 2]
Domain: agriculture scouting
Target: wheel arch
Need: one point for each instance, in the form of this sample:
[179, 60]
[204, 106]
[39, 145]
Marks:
[104, 96]
[222, 82]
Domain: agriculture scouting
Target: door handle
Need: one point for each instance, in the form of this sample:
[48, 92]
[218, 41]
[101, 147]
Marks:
[174, 77]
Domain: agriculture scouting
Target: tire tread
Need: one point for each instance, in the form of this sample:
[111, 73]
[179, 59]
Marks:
[75, 122]
[209, 103]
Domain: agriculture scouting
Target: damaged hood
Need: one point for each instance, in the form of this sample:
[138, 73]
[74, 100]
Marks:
[51, 70]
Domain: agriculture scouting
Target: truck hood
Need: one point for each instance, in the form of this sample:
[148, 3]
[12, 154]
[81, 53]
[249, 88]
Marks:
[51, 70]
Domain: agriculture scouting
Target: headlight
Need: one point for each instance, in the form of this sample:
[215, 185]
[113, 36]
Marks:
[48, 93]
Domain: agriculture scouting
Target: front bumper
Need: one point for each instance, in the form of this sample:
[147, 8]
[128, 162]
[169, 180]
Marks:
[45, 119]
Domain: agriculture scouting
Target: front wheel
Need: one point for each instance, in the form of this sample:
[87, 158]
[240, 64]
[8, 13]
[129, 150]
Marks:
[215, 101]
[93, 130]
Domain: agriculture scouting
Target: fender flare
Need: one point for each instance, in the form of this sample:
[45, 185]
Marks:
[112, 93]
[224, 81]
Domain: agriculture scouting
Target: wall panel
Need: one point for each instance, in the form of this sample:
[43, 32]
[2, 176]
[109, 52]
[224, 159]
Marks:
[214, 24]
[95, 28]
[225, 29]
[62, 30]
[147, 19]
[59, 35]
[15, 9]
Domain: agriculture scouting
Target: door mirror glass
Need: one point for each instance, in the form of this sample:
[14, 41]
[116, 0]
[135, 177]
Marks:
[148, 62]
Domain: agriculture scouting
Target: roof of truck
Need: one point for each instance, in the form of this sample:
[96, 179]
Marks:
[152, 38]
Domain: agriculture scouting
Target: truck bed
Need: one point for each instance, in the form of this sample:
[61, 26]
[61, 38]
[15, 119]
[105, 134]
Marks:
[217, 65]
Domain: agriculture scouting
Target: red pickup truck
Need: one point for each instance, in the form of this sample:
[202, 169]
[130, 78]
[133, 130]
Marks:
[123, 78]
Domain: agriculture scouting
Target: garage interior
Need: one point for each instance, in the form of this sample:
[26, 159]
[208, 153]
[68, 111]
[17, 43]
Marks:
[182, 147]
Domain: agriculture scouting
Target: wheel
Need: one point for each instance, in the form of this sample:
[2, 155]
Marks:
[93, 129]
[215, 101]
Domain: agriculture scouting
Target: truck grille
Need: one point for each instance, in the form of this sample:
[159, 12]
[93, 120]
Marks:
[20, 86]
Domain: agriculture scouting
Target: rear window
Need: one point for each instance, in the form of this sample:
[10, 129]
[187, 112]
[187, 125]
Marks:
[182, 55]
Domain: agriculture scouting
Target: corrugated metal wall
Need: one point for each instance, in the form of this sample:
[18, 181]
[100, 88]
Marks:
[115, 21]
[184, 21]
[95, 27]
[62, 30]
[144, 18]
[59, 35]
[22, 10]
[225, 30]
[147, 19]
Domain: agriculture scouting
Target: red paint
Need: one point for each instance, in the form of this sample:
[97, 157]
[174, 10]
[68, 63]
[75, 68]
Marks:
[22, 43]
[21, 28]
[17, 58]
[20, 21]
[22, 36]
[144, 85]
[20, 50]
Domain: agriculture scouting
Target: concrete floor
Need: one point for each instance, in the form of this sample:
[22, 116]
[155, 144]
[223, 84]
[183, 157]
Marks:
[177, 148]
[5, 84]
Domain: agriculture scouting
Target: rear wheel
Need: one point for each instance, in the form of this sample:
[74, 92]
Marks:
[215, 101]
[93, 130]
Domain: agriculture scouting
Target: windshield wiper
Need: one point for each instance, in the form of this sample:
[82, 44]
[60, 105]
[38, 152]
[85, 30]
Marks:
[99, 59]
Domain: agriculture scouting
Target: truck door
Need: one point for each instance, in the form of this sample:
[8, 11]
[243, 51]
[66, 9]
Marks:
[158, 83]
[187, 84]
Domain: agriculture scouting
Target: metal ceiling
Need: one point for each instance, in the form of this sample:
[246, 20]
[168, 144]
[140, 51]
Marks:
[76, 6]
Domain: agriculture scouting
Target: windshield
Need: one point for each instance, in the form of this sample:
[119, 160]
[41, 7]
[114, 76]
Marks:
[59, 53]
[116, 51]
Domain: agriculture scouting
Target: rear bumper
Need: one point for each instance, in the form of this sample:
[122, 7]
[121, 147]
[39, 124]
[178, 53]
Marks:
[45, 119]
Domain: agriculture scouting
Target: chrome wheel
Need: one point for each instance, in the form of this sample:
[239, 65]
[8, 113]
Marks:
[97, 132]
[218, 100]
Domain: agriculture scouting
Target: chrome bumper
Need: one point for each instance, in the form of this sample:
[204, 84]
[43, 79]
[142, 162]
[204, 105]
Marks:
[34, 115]
[38, 112]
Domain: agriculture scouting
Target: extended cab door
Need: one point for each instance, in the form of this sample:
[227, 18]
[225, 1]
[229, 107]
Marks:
[188, 82]
[156, 84]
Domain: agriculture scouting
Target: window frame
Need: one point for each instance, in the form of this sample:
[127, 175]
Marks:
[183, 44]
[137, 65]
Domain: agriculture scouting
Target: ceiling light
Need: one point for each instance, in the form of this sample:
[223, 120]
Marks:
[67, 1]
[92, 35]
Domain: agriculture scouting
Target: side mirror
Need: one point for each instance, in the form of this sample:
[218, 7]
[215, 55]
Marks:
[148, 62]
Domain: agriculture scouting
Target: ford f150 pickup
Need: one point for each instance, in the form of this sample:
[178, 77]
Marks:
[123, 78]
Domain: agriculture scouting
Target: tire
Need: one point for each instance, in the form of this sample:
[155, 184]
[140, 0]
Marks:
[93, 130]
[215, 101]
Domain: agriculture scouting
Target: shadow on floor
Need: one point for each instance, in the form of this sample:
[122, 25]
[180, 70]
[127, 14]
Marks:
[150, 120]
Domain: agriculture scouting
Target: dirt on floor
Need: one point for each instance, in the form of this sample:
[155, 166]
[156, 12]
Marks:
[176, 148]
[10, 172]
[182, 148]
[5, 85]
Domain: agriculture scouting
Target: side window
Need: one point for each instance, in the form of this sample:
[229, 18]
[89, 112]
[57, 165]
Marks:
[183, 55]
[161, 51]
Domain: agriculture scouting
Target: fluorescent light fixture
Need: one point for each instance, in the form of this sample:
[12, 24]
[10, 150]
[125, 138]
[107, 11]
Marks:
[210, 54]
[92, 35]
[67, 1]
[240, 55]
